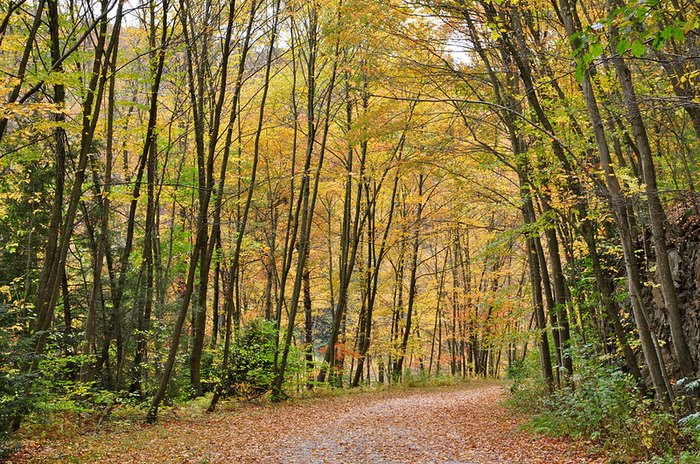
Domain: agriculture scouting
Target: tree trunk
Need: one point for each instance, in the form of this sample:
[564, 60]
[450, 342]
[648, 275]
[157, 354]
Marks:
[657, 215]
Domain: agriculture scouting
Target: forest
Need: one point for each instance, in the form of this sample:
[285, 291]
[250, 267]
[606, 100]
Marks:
[232, 199]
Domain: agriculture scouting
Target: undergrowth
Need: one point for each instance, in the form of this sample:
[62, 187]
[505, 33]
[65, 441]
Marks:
[603, 405]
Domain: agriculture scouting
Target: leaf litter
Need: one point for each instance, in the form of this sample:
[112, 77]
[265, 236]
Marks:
[449, 425]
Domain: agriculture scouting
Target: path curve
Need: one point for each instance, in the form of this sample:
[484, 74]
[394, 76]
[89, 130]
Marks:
[455, 425]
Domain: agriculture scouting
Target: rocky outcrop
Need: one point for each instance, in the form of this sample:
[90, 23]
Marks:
[684, 255]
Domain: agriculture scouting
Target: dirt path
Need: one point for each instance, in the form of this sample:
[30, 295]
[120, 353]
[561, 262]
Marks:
[447, 425]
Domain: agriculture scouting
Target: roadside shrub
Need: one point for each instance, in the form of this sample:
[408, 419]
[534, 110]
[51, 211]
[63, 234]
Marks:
[14, 383]
[687, 390]
[252, 360]
[526, 388]
[599, 403]
[604, 405]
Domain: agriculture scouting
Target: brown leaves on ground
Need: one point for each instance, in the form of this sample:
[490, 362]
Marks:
[453, 425]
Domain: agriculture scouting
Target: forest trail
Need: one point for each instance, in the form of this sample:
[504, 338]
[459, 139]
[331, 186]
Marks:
[455, 425]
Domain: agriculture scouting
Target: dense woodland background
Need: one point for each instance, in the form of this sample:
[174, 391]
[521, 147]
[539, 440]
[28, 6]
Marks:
[265, 195]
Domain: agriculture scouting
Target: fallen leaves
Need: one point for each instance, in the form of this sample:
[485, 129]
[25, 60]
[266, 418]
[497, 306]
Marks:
[450, 425]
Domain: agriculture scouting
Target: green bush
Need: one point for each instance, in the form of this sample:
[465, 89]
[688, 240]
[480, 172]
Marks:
[14, 381]
[689, 424]
[526, 385]
[252, 360]
[603, 405]
[600, 403]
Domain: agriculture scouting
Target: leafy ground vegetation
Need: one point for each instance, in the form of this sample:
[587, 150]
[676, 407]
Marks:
[218, 200]
[604, 406]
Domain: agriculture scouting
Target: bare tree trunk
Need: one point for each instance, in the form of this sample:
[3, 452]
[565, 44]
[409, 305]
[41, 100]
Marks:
[49, 284]
[657, 215]
[308, 191]
[201, 228]
[412, 284]
[350, 238]
[438, 313]
[308, 323]
[618, 203]
[206, 168]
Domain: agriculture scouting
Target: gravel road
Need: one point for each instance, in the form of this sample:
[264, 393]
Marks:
[449, 425]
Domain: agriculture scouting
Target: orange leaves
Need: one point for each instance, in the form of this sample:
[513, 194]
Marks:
[454, 424]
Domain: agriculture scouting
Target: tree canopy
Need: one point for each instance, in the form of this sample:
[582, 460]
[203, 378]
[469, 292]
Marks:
[367, 191]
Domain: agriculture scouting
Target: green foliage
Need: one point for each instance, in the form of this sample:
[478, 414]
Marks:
[58, 390]
[14, 402]
[638, 23]
[526, 384]
[604, 405]
[422, 379]
[689, 424]
[690, 427]
[251, 369]
[54, 391]
[24, 217]
[685, 457]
